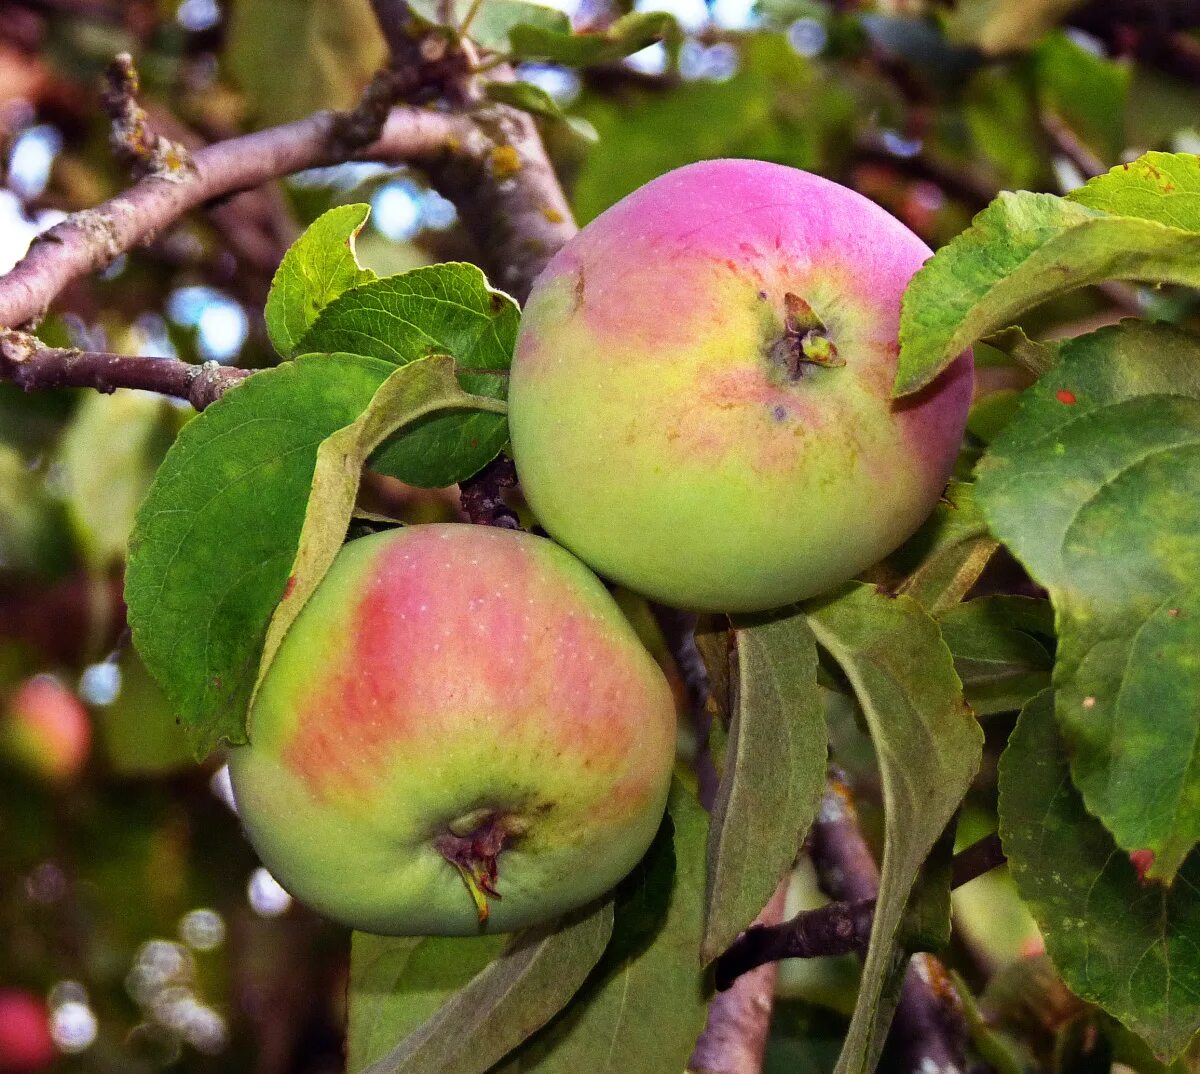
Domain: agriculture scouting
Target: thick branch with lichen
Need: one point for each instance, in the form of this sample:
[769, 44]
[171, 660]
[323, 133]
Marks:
[92, 239]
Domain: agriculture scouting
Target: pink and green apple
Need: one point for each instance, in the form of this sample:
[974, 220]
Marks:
[46, 730]
[460, 733]
[700, 402]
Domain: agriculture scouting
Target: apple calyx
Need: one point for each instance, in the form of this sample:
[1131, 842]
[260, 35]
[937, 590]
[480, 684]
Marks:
[805, 340]
[472, 844]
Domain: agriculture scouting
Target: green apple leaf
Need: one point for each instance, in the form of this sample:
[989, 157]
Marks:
[318, 267]
[1157, 186]
[494, 21]
[105, 463]
[217, 535]
[325, 51]
[997, 651]
[409, 394]
[1095, 487]
[947, 554]
[537, 102]
[442, 309]
[928, 745]
[650, 965]
[629, 34]
[1022, 250]
[398, 983]
[530, 982]
[998, 26]
[1085, 91]
[773, 775]
[1126, 945]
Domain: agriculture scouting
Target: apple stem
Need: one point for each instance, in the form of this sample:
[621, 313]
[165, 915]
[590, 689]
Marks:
[478, 894]
[805, 339]
[474, 853]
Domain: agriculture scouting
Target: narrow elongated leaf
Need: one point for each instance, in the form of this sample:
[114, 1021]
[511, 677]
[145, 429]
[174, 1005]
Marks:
[495, 20]
[1118, 942]
[518, 993]
[947, 555]
[997, 651]
[650, 966]
[217, 532]
[318, 267]
[537, 102]
[408, 394]
[629, 34]
[1022, 250]
[1095, 486]
[398, 983]
[928, 746]
[773, 775]
[442, 309]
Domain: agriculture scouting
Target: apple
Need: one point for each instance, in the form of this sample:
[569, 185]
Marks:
[25, 1042]
[700, 402]
[46, 730]
[460, 733]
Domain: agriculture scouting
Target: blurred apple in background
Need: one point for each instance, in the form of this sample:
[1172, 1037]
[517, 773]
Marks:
[25, 1042]
[46, 730]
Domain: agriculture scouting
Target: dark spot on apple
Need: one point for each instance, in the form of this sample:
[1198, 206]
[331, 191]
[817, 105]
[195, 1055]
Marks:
[779, 412]
[762, 295]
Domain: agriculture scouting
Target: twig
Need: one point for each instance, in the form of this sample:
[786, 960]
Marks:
[483, 495]
[1152, 31]
[93, 238]
[399, 29]
[1067, 143]
[927, 1025]
[837, 928]
[980, 857]
[132, 140]
[739, 1018]
[926, 1032]
[28, 364]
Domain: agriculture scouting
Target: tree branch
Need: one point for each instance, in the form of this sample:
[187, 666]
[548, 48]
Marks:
[483, 495]
[739, 1018]
[28, 364]
[839, 927]
[93, 238]
[925, 1027]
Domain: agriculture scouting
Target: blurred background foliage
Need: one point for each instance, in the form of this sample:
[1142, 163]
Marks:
[130, 906]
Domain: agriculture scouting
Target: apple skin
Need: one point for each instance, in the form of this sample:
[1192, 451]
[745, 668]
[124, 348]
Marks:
[25, 1042]
[46, 730]
[658, 435]
[443, 676]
